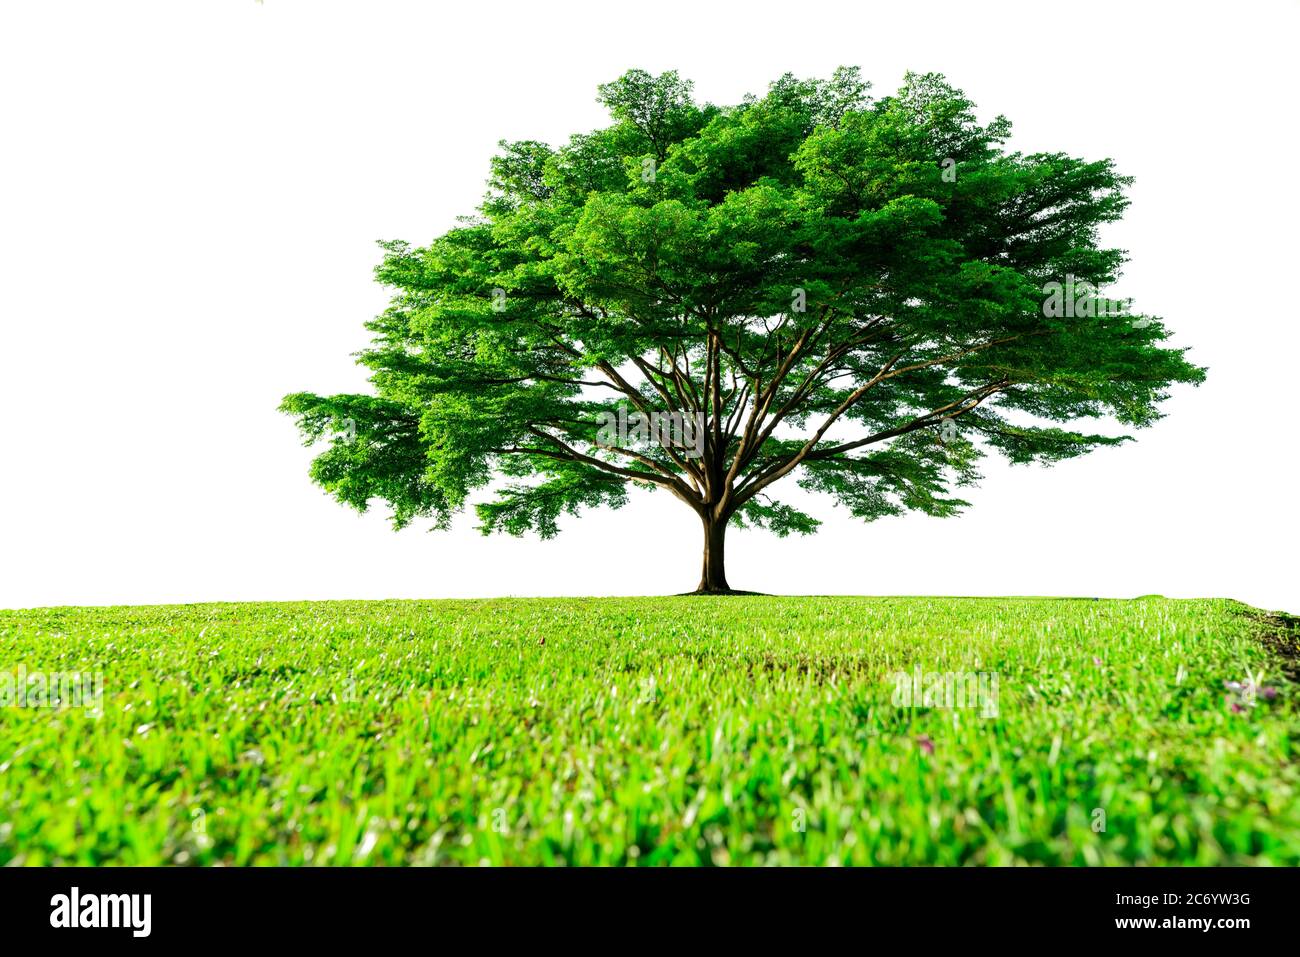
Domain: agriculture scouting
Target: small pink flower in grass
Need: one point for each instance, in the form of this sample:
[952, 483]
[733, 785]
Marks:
[1243, 694]
[1096, 661]
[925, 744]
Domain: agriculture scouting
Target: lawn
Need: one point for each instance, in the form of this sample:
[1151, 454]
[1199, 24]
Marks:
[734, 730]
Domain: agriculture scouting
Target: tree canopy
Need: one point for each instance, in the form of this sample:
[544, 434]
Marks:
[818, 284]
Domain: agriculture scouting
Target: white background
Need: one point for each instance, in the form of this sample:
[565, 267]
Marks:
[191, 192]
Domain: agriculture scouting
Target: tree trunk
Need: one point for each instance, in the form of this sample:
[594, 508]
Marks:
[713, 579]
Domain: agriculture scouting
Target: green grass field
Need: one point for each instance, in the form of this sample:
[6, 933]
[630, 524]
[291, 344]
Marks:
[738, 730]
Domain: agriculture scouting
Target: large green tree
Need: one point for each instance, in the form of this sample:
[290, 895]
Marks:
[863, 295]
